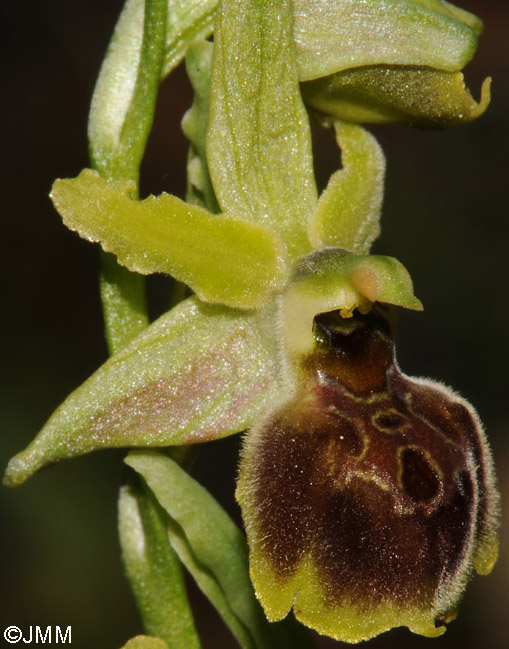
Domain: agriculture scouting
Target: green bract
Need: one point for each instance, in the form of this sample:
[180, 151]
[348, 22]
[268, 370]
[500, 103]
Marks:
[284, 333]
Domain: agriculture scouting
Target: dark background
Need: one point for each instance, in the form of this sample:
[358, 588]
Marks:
[444, 218]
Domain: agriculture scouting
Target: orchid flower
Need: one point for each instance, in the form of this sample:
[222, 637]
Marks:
[368, 496]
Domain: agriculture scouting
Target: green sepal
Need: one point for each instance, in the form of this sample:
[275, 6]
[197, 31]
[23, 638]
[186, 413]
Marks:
[258, 142]
[335, 35]
[145, 642]
[194, 125]
[197, 373]
[222, 258]
[334, 279]
[348, 211]
[153, 568]
[213, 549]
[415, 96]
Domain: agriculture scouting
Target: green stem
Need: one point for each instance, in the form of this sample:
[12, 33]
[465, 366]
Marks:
[124, 302]
[156, 577]
[123, 293]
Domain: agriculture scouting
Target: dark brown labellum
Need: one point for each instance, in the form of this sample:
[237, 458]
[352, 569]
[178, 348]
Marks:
[374, 487]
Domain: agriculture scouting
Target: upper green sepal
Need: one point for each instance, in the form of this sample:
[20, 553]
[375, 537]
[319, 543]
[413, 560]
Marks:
[335, 35]
[335, 279]
[198, 373]
[258, 141]
[417, 96]
[222, 258]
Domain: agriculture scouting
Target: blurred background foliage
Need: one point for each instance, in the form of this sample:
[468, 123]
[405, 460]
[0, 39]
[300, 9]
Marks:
[444, 218]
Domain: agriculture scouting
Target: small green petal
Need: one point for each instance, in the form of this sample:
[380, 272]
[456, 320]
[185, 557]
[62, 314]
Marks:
[334, 279]
[259, 143]
[198, 373]
[145, 642]
[411, 95]
[334, 35]
[223, 259]
[348, 212]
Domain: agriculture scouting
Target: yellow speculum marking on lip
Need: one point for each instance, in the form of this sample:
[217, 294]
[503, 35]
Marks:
[429, 424]
[390, 430]
[359, 428]
[373, 398]
[366, 476]
[433, 504]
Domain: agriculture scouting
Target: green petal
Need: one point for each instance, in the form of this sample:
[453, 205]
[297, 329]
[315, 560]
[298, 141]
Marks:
[198, 373]
[412, 95]
[334, 279]
[334, 35]
[145, 642]
[221, 258]
[209, 544]
[348, 212]
[259, 145]
[154, 570]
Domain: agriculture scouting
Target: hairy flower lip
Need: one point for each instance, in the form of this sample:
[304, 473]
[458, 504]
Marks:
[369, 497]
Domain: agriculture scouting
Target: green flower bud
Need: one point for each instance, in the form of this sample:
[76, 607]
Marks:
[388, 61]
[411, 95]
[369, 497]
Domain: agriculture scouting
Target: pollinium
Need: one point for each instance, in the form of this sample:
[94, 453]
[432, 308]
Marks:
[369, 497]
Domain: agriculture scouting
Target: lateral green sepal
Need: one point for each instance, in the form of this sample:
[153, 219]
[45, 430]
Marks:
[334, 279]
[197, 373]
[222, 258]
[415, 96]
